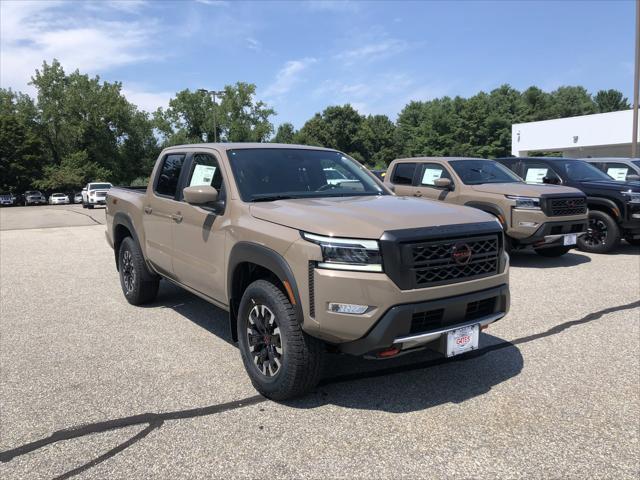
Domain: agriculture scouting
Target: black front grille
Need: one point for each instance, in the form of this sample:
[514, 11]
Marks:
[446, 261]
[567, 206]
[431, 320]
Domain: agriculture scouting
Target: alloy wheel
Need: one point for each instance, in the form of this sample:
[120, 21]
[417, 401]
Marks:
[265, 343]
[128, 271]
[596, 233]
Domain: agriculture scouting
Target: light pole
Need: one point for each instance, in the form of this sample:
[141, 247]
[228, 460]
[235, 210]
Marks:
[213, 94]
[636, 82]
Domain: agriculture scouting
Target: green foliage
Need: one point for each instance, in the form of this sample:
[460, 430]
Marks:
[139, 182]
[286, 133]
[192, 117]
[611, 101]
[74, 170]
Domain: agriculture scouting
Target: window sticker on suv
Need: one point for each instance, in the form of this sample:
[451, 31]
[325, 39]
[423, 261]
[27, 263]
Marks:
[535, 175]
[618, 173]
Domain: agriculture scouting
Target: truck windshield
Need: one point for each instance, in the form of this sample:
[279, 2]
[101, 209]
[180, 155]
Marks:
[100, 186]
[636, 162]
[265, 174]
[580, 171]
[477, 172]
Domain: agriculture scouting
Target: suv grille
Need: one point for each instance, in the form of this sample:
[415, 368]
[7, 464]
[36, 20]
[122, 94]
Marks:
[567, 206]
[450, 261]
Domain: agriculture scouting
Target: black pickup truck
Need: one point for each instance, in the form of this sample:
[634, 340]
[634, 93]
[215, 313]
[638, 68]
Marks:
[614, 206]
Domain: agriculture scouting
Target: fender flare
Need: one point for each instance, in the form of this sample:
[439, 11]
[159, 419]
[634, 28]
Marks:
[265, 257]
[122, 218]
[605, 202]
[489, 208]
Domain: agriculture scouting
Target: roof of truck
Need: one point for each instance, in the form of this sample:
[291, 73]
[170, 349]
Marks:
[246, 145]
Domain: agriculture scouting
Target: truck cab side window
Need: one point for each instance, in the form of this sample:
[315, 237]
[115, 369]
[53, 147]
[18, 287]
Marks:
[537, 172]
[432, 172]
[403, 174]
[167, 182]
[205, 171]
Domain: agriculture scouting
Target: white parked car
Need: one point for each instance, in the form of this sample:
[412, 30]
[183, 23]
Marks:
[77, 198]
[58, 199]
[95, 193]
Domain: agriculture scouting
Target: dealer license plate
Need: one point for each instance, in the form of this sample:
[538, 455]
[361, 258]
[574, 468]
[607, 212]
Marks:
[462, 340]
[570, 239]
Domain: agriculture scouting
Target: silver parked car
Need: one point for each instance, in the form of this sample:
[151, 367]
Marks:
[621, 169]
[7, 200]
[77, 198]
[34, 197]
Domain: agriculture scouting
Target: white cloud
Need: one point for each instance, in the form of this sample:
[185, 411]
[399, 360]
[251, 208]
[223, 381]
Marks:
[146, 100]
[372, 51]
[288, 76]
[216, 3]
[253, 44]
[33, 32]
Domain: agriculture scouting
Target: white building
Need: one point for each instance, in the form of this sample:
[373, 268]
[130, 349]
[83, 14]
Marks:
[599, 135]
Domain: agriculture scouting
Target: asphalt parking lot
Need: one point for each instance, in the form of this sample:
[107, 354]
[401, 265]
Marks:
[91, 387]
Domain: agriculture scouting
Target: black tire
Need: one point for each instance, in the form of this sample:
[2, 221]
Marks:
[632, 241]
[603, 234]
[139, 285]
[285, 362]
[84, 205]
[90, 206]
[552, 252]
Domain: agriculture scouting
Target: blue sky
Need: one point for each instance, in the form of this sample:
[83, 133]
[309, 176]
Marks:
[304, 56]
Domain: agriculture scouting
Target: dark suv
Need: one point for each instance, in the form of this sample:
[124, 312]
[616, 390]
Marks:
[614, 206]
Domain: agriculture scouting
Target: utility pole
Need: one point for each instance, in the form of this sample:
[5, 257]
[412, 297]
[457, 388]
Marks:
[220, 93]
[636, 85]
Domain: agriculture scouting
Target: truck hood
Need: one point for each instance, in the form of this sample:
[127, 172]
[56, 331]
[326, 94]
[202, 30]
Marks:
[363, 217]
[612, 185]
[524, 189]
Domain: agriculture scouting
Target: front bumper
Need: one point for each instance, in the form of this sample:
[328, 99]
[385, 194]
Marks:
[551, 233]
[417, 325]
[98, 201]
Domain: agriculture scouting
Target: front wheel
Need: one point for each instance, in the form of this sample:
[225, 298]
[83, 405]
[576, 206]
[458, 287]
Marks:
[139, 285]
[281, 360]
[552, 252]
[603, 234]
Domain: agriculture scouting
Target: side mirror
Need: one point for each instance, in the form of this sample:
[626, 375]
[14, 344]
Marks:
[633, 178]
[443, 183]
[200, 194]
[550, 181]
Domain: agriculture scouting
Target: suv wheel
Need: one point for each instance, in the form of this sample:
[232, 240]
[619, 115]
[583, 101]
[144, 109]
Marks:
[281, 360]
[552, 252]
[139, 285]
[603, 234]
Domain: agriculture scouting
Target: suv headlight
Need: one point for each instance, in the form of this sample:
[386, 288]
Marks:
[634, 197]
[526, 203]
[347, 253]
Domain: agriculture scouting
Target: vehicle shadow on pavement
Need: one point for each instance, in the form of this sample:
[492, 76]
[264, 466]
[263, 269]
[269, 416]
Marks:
[533, 260]
[410, 382]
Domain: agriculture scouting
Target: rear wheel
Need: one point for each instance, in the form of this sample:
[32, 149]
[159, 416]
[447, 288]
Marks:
[139, 285]
[90, 206]
[552, 252]
[603, 234]
[281, 360]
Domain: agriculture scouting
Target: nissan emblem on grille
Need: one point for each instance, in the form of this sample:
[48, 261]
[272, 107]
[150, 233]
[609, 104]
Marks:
[461, 253]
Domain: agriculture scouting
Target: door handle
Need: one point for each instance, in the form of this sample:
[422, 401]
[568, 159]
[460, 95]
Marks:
[417, 194]
[148, 210]
[176, 217]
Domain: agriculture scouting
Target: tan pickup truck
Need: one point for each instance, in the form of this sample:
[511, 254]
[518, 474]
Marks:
[549, 218]
[303, 262]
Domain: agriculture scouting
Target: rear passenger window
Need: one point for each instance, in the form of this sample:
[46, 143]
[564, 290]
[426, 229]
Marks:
[167, 183]
[536, 172]
[403, 173]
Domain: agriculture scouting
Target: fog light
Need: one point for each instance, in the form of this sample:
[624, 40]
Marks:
[349, 308]
[528, 224]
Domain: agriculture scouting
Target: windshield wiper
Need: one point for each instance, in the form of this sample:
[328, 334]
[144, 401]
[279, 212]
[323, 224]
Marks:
[270, 197]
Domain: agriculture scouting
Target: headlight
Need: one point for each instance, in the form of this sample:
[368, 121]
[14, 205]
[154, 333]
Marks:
[347, 253]
[526, 203]
[634, 197]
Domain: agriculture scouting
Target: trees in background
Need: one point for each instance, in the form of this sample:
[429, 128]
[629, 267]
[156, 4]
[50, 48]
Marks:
[80, 128]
